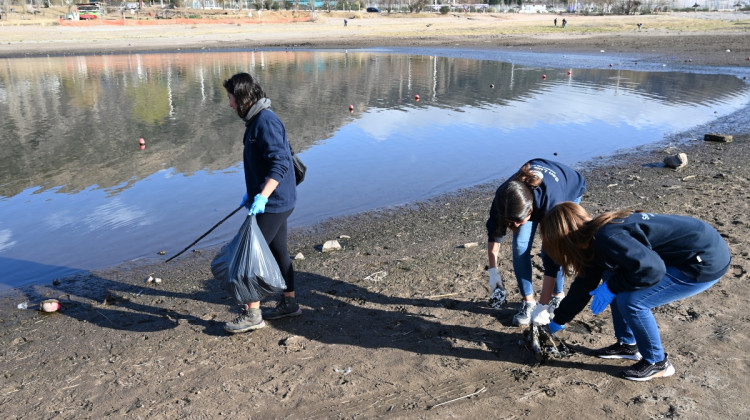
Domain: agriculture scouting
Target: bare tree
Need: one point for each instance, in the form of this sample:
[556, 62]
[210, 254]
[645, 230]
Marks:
[416, 5]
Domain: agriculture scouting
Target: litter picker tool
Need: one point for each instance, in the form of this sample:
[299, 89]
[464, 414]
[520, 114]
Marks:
[205, 234]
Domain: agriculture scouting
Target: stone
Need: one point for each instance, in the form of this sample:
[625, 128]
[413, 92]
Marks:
[677, 161]
[332, 245]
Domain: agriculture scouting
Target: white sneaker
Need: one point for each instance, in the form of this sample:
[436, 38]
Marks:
[523, 317]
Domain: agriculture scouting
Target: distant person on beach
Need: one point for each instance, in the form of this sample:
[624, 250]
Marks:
[555, 22]
[520, 203]
[636, 262]
[564, 23]
[271, 190]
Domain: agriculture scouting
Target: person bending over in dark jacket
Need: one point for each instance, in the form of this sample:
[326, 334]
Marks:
[518, 206]
[636, 261]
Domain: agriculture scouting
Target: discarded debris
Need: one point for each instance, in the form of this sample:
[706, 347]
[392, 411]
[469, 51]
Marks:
[543, 344]
[377, 276]
[721, 138]
[50, 305]
[499, 295]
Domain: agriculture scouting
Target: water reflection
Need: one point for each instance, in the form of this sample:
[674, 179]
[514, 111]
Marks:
[77, 191]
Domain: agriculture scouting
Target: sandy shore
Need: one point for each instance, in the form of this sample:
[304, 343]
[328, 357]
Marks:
[395, 324]
[701, 38]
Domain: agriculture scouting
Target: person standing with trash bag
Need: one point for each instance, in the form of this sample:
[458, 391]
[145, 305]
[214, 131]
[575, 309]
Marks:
[270, 182]
[632, 262]
[520, 203]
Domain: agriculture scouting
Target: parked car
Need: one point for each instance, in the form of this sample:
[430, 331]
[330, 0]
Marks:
[373, 9]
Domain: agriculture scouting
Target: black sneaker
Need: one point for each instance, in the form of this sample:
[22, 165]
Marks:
[287, 306]
[644, 371]
[619, 351]
[248, 319]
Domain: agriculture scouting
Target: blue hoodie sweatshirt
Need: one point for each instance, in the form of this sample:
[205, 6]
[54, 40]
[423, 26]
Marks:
[635, 252]
[559, 183]
[267, 154]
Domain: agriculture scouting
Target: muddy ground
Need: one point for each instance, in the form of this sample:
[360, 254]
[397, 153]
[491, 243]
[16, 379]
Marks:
[396, 323]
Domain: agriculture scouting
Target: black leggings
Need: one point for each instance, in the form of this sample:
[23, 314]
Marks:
[273, 228]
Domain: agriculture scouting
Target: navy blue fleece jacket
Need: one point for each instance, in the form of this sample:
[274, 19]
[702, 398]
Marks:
[267, 154]
[636, 252]
[559, 183]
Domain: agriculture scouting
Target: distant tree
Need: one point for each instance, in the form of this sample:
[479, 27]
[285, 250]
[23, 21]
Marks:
[417, 5]
[444, 10]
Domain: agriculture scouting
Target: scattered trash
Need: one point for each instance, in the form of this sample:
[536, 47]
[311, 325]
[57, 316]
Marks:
[469, 245]
[141, 141]
[299, 257]
[50, 305]
[498, 297]
[416, 98]
[721, 138]
[377, 276]
[543, 344]
[148, 279]
[343, 371]
[344, 237]
[677, 161]
[162, 252]
[23, 305]
[157, 280]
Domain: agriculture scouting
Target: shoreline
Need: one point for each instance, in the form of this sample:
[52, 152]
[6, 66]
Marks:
[711, 39]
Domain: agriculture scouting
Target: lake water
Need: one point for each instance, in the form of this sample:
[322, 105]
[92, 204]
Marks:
[78, 193]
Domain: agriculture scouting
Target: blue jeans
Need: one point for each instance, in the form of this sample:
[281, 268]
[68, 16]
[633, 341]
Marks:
[632, 317]
[523, 239]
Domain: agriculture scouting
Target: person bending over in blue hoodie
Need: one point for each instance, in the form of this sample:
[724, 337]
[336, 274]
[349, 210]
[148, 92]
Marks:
[634, 261]
[518, 206]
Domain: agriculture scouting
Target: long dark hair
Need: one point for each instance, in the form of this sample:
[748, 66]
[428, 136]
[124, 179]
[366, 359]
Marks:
[516, 199]
[246, 91]
[568, 231]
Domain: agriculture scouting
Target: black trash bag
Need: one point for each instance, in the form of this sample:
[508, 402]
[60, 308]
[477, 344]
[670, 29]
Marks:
[246, 267]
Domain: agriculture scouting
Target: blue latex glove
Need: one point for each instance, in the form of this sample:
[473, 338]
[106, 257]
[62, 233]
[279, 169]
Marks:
[259, 205]
[244, 200]
[555, 327]
[602, 298]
